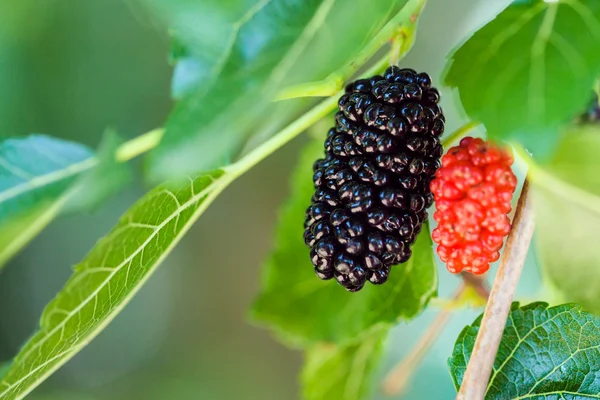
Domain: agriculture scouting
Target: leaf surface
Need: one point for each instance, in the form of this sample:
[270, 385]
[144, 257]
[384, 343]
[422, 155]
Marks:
[567, 206]
[233, 57]
[545, 353]
[530, 70]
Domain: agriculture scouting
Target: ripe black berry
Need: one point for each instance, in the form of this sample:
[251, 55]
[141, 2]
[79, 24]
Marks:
[372, 186]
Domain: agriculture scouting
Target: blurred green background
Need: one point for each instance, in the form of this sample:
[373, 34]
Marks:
[72, 68]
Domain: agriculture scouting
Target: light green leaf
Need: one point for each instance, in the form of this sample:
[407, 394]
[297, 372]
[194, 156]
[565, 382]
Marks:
[576, 160]
[305, 310]
[545, 353]
[343, 373]
[109, 276]
[530, 70]
[36, 173]
[567, 206]
[238, 55]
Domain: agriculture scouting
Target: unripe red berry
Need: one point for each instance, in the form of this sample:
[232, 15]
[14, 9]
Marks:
[472, 191]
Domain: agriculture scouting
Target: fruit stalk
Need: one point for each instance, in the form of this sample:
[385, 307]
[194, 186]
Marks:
[496, 312]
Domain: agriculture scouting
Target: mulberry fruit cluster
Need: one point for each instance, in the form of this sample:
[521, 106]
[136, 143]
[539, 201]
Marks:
[372, 187]
[473, 191]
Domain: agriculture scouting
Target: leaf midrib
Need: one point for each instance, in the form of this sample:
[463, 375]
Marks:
[537, 67]
[47, 179]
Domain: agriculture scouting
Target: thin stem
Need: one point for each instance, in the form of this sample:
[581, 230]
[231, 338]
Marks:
[401, 28]
[403, 41]
[139, 145]
[283, 136]
[327, 87]
[477, 375]
[396, 382]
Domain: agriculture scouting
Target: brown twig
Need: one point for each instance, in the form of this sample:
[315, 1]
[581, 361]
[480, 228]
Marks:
[397, 380]
[479, 368]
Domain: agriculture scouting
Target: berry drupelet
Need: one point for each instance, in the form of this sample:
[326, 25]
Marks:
[473, 191]
[372, 188]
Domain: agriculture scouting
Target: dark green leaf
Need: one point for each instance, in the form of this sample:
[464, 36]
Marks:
[36, 173]
[530, 70]
[304, 309]
[567, 206]
[239, 56]
[545, 353]
[343, 373]
[109, 276]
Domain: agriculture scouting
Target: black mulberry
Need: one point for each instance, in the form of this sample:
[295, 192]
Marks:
[372, 187]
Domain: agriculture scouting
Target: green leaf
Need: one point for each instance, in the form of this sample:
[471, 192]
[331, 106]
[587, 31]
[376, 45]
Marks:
[109, 276]
[530, 70]
[343, 373]
[567, 206]
[3, 368]
[188, 71]
[242, 55]
[576, 159]
[41, 176]
[104, 180]
[305, 310]
[36, 173]
[545, 353]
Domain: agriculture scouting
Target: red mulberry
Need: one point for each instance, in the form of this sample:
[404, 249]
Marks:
[473, 191]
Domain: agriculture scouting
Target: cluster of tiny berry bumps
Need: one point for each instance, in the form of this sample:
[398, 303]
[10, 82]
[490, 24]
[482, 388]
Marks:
[473, 191]
[372, 189]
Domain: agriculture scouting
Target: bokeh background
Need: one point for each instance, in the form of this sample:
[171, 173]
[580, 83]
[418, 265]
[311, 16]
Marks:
[72, 68]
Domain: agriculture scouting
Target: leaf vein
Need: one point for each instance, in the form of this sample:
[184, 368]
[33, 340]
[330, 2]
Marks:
[537, 74]
[37, 345]
[521, 341]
